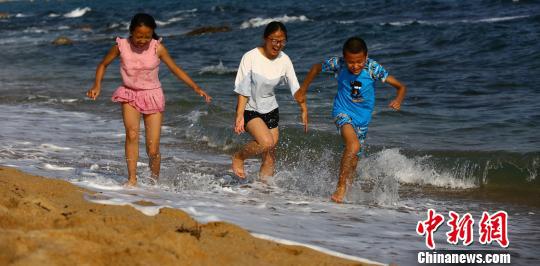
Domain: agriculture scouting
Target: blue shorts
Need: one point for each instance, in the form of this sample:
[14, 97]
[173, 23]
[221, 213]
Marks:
[361, 132]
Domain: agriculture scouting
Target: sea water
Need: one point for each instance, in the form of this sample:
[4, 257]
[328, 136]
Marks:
[466, 139]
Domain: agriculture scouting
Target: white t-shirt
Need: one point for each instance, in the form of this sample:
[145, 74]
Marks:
[258, 76]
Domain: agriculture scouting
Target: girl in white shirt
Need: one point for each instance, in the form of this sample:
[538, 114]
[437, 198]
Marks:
[260, 71]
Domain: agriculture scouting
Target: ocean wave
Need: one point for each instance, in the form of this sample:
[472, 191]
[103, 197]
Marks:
[496, 19]
[53, 15]
[23, 40]
[258, 21]
[185, 11]
[114, 25]
[346, 22]
[169, 21]
[451, 22]
[218, 69]
[78, 12]
[34, 30]
[417, 171]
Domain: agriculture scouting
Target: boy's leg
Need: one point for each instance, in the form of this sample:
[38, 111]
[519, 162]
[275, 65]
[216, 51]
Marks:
[269, 158]
[349, 161]
[132, 119]
[263, 141]
[152, 125]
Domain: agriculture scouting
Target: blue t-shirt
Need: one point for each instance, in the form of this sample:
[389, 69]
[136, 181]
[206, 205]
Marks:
[356, 93]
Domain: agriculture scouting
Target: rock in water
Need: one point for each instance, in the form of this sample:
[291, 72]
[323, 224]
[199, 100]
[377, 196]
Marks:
[62, 41]
[210, 29]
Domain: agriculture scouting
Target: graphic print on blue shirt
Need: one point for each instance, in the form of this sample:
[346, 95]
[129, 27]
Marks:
[356, 86]
[358, 106]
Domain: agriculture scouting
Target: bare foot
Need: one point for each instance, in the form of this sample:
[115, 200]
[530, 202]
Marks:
[264, 179]
[132, 182]
[238, 166]
[338, 196]
[266, 172]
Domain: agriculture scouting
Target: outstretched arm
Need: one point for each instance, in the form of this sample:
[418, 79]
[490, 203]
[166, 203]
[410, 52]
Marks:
[239, 121]
[400, 92]
[300, 95]
[93, 92]
[164, 55]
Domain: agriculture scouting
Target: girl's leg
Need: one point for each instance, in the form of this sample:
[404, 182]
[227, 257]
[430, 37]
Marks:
[152, 126]
[269, 158]
[349, 161]
[132, 119]
[263, 141]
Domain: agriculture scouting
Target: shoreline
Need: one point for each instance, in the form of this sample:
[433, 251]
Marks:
[49, 221]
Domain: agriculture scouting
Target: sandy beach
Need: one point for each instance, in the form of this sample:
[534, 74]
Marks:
[48, 222]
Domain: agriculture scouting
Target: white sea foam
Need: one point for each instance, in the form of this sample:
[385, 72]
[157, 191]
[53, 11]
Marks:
[185, 11]
[202, 216]
[218, 69]
[21, 15]
[35, 30]
[258, 21]
[57, 168]
[146, 210]
[169, 21]
[78, 12]
[195, 116]
[392, 163]
[53, 15]
[495, 19]
[100, 183]
[53, 147]
[114, 25]
[68, 100]
[451, 22]
[533, 169]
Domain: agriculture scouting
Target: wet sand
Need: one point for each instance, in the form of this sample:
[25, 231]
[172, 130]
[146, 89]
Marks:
[48, 222]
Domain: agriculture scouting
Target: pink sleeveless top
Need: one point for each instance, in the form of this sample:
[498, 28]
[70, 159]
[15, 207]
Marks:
[139, 68]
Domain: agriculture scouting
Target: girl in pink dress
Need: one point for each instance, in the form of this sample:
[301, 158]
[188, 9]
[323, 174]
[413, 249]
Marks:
[141, 91]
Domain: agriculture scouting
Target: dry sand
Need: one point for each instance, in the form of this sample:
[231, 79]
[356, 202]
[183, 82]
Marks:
[48, 222]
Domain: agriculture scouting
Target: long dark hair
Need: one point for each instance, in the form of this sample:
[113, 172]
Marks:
[273, 27]
[143, 19]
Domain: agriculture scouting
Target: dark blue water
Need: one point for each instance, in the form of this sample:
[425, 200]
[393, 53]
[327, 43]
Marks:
[468, 128]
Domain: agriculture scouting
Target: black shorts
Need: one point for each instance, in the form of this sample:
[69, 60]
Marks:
[271, 119]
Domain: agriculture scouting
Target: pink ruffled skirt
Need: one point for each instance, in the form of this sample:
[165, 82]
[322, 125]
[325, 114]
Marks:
[145, 101]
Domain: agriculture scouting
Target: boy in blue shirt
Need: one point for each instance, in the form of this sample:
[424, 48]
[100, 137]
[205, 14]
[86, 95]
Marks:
[354, 102]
